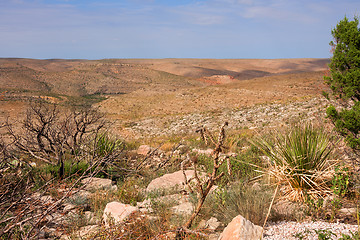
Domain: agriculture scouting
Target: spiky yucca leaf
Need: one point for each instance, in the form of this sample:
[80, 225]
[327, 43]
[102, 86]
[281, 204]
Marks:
[299, 160]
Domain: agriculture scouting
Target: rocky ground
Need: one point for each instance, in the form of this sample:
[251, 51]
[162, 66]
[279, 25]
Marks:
[182, 206]
[260, 116]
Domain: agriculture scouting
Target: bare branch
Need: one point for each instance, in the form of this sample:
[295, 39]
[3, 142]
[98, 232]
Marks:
[203, 187]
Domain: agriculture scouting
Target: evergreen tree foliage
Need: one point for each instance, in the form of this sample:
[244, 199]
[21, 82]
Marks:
[344, 79]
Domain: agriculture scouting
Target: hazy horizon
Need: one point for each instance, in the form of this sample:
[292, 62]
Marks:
[158, 29]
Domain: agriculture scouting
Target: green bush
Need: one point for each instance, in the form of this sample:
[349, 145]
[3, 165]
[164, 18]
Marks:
[344, 80]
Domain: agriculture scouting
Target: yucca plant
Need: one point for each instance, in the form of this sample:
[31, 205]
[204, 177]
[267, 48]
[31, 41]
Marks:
[299, 161]
[106, 145]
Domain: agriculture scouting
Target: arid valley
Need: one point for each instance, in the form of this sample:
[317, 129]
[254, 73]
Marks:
[170, 149]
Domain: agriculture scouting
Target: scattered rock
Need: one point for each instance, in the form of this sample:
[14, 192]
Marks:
[49, 233]
[80, 197]
[258, 116]
[47, 199]
[184, 208]
[171, 181]
[284, 208]
[206, 152]
[90, 218]
[93, 183]
[211, 224]
[145, 206]
[182, 149]
[117, 211]
[144, 150]
[241, 229]
[68, 207]
[114, 188]
[56, 218]
[214, 236]
[348, 211]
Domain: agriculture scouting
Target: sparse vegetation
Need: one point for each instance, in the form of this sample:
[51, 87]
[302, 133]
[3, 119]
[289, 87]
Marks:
[45, 155]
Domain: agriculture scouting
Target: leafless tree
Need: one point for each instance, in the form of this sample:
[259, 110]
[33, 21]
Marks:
[48, 134]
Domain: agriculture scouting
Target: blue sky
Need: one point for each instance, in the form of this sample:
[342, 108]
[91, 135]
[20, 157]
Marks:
[96, 29]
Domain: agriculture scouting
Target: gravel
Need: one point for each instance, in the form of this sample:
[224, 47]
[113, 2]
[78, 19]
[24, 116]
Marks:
[294, 230]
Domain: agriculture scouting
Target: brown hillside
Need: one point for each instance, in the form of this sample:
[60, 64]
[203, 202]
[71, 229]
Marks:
[133, 89]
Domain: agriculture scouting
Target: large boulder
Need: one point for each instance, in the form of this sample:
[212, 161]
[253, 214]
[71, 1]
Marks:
[117, 212]
[241, 229]
[171, 181]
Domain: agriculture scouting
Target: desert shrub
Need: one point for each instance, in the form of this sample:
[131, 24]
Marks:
[130, 192]
[23, 212]
[246, 163]
[138, 226]
[71, 169]
[340, 182]
[242, 168]
[135, 227]
[299, 161]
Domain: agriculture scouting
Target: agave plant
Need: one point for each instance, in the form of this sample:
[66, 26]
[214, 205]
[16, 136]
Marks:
[299, 161]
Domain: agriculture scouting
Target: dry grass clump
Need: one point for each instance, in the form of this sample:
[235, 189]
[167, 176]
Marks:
[250, 201]
[142, 226]
[299, 161]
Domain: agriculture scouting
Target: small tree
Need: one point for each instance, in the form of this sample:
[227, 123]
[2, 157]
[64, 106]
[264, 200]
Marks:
[49, 134]
[344, 80]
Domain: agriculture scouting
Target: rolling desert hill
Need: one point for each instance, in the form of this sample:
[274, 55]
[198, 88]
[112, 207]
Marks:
[116, 76]
[131, 90]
